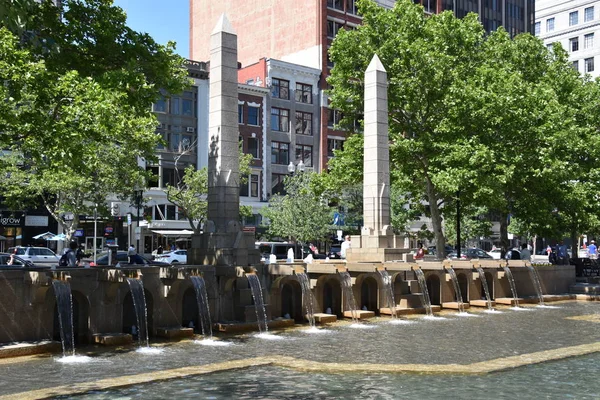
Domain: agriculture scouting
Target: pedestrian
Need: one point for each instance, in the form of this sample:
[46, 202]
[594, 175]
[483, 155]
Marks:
[525, 252]
[173, 247]
[159, 250]
[593, 250]
[131, 254]
[420, 252]
[345, 246]
[11, 259]
[563, 255]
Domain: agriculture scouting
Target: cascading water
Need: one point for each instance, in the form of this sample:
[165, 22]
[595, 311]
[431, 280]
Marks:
[457, 292]
[259, 305]
[348, 295]
[389, 290]
[535, 278]
[64, 304]
[203, 308]
[485, 287]
[511, 282]
[425, 299]
[141, 312]
[307, 297]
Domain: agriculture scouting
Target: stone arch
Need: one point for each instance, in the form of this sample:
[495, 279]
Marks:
[399, 285]
[328, 293]
[291, 300]
[129, 315]
[189, 310]
[368, 289]
[463, 284]
[81, 318]
[434, 289]
[232, 302]
[490, 282]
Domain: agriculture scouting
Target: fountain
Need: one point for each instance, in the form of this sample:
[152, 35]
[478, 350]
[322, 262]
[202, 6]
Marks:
[511, 282]
[535, 278]
[457, 292]
[348, 294]
[203, 308]
[307, 297]
[425, 299]
[485, 287]
[259, 305]
[64, 304]
[141, 313]
[389, 290]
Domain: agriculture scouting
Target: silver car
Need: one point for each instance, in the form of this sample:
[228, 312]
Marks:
[37, 255]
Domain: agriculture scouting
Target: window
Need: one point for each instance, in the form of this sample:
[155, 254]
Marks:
[280, 89]
[588, 14]
[304, 93]
[187, 107]
[253, 147]
[253, 185]
[333, 28]
[351, 7]
[174, 141]
[574, 44]
[280, 153]
[549, 46]
[280, 119]
[537, 28]
[277, 186]
[549, 24]
[334, 118]
[253, 115]
[589, 64]
[160, 105]
[303, 123]
[337, 4]
[588, 41]
[573, 18]
[240, 114]
[175, 107]
[304, 153]
[334, 144]
[575, 65]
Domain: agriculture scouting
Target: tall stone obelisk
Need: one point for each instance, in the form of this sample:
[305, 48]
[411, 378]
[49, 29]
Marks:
[223, 242]
[376, 241]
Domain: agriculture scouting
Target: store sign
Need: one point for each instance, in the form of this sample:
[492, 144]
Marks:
[108, 229]
[10, 220]
[79, 233]
[36, 220]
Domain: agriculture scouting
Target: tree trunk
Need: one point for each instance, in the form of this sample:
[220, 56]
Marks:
[436, 220]
[504, 242]
[574, 244]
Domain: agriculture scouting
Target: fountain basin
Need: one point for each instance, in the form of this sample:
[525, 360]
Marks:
[509, 301]
[409, 310]
[241, 327]
[480, 303]
[27, 349]
[359, 314]
[175, 333]
[454, 305]
[113, 339]
[322, 318]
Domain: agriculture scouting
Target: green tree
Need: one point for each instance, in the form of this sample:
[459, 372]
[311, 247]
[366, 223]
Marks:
[300, 214]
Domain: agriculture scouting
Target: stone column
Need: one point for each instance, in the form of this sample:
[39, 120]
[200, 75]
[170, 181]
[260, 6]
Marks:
[223, 157]
[376, 186]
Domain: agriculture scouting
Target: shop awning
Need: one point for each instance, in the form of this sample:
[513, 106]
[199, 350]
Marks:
[184, 232]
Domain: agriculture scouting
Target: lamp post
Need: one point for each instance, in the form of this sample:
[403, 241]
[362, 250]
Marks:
[292, 169]
[95, 229]
[138, 203]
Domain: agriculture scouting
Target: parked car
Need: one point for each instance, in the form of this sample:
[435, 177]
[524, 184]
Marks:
[37, 255]
[173, 257]
[467, 254]
[512, 254]
[335, 251]
[18, 261]
[123, 258]
[280, 249]
[495, 254]
[432, 250]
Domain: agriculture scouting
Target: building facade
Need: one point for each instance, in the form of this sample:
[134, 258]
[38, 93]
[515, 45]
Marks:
[575, 24]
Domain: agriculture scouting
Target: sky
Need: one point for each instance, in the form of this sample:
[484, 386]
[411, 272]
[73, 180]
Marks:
[163, 20]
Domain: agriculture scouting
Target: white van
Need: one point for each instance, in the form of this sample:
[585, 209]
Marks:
[280, 249]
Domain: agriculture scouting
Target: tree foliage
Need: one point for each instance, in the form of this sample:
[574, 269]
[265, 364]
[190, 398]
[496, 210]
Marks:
[299, 214]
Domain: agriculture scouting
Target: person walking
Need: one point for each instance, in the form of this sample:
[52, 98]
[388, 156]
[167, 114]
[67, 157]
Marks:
[345, 246]
[525, 252]
[593, 250]
[131, 254]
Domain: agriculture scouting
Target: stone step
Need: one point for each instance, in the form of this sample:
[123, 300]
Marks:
[359, 314]
[322, 318]
[239, 327]
[175, 333]
[481, 303]
[454, 305]
[113, 339]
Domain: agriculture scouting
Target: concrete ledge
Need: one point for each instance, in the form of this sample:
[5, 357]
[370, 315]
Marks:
[549, 298]
[175, 333]
[509, 301]
[412, 310]
[481, 303]
[241, 327]
[113, 339]
[454, 305]
[27, 349]
[321, 318]
[359, 314]
[587, 297]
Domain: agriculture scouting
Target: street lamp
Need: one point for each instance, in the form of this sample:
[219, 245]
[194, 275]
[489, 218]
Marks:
[293, 168]
[138, 204]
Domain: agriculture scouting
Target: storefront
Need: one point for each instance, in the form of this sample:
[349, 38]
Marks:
[17, 228]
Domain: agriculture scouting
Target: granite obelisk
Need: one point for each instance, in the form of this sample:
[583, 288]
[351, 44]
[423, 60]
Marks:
[376, 241]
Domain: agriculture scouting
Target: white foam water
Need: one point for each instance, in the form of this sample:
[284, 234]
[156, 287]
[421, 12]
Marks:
[466, 315]
[547, 306]
[400, 322]
[74, 360]
[314, 329]
[268, 336]
[493, 311]
[213, 343]
[361, 326]
[520, 309]
[150, 350]
[434, 318]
